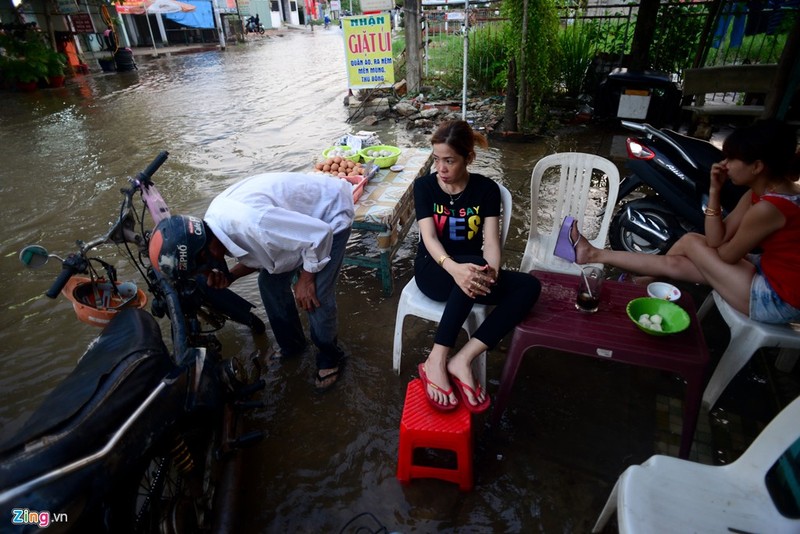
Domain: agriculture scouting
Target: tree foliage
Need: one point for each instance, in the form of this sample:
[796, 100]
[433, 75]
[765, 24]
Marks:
[534, 49]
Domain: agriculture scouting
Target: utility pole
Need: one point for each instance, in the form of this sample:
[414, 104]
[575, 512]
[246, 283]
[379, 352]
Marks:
[413, 42]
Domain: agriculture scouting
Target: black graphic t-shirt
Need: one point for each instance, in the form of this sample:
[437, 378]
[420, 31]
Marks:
[459, 227]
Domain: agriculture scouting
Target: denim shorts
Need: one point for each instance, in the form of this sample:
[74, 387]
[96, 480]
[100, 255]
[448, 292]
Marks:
[765, 305]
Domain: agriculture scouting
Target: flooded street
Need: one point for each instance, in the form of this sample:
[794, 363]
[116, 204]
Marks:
[273, 105]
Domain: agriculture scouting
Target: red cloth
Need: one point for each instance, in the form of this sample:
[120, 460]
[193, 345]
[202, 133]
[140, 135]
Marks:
[781, 251]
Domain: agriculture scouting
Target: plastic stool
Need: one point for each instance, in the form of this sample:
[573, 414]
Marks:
[422, 426]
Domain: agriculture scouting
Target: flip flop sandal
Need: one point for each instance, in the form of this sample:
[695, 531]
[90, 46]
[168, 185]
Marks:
[463, 389]
[447, 392]
[565, 248]
[319, 379]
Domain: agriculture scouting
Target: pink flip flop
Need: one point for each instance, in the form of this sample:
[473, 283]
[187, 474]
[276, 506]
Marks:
[462, 390]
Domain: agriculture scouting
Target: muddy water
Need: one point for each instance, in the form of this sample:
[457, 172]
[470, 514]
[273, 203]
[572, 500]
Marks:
[273, 105]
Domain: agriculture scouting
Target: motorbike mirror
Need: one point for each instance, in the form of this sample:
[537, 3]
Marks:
[34, 256]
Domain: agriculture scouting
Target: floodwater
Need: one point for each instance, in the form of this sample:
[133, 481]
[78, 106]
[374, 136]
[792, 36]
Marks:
[328, 460]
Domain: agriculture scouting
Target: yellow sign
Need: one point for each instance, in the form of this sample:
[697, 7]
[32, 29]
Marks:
[368, 51]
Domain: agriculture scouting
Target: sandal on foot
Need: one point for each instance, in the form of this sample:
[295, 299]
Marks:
[321, 382]
[433, 402]
[463, 389]
[565, 246]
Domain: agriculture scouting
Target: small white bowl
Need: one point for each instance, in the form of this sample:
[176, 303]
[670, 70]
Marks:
[663, 290]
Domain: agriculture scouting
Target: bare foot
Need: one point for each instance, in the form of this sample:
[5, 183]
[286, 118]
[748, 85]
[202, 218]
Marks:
[439, 388]
[583, 249]
[326, 378]
[463, 372]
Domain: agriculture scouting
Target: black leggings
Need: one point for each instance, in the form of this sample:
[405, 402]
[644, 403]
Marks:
[512, 297]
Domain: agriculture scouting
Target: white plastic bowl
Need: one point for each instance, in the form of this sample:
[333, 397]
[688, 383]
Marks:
[663, 290]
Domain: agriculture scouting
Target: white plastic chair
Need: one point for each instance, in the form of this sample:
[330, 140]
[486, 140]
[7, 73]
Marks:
[747, 336]
[571, 195]
[666, 494]
[414, 302]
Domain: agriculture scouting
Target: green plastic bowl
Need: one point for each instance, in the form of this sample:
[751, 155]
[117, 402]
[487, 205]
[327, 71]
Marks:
[329, 153]
[674, 319]
[380, 161]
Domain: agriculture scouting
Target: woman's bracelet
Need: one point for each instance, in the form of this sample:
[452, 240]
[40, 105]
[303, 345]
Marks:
[712, 212]
[442, 259]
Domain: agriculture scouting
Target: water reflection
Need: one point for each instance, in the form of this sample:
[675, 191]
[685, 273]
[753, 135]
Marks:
[268, 106]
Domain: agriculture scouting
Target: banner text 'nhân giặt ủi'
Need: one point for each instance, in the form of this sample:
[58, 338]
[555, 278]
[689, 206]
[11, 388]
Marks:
[368, 51]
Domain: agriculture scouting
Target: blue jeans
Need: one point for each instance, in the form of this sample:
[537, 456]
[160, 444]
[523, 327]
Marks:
[765, 305]
[276, 292]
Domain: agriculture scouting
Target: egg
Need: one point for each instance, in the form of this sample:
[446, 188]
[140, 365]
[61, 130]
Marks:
[318, 166]
[326, 167]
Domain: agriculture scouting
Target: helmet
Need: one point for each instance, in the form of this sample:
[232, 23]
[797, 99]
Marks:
[177, 246]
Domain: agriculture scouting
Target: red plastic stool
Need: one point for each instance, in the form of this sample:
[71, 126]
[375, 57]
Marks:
[422, 426]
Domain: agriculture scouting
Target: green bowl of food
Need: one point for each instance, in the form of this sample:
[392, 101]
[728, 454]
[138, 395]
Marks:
[342, 151]
[381, 155]
[658, 317]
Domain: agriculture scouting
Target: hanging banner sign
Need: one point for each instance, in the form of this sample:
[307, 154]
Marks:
[82, 22]
[131, 7]
[376, 5]
[368, 51]
[66, 7]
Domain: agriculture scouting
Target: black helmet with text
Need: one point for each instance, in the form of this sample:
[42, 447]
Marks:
[179, 248]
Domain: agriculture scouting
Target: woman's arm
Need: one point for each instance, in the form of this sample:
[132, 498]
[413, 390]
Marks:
[492, 247]
[719, 230]
[464, 274]
[757, 223]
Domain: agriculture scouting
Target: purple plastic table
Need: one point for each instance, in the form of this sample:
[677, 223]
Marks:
[554, 323]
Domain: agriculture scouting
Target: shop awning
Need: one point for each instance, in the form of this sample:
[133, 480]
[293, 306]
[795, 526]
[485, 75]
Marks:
[140, 7]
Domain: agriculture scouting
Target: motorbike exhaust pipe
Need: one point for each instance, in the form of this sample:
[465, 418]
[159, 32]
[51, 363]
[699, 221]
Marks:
[641, 225]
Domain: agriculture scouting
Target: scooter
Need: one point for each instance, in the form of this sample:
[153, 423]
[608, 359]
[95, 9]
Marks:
[138, 437]
[252, 27]
[670, 176]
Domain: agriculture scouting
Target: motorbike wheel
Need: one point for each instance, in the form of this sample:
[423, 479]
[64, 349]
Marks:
[173, 491]
[622, 238]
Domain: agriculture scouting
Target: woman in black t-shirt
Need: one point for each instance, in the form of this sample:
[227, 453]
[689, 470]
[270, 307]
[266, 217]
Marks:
[458, 262]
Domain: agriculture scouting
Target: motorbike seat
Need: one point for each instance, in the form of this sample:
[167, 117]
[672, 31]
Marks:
[702, 152]
[119, 369]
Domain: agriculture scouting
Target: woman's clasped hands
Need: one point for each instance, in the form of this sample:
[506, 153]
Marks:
[475, 280]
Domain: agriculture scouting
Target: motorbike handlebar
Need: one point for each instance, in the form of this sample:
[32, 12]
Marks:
[74, 264]
[151, 169]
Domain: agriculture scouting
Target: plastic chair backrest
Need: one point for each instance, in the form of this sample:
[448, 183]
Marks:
[505, 216]
[572, 195]
[777, 438]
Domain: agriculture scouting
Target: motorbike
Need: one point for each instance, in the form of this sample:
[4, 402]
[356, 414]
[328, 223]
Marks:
[253, 27]
[138, 437]
[665, 195]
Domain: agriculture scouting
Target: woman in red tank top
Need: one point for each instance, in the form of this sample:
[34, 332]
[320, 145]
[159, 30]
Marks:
[765, 287]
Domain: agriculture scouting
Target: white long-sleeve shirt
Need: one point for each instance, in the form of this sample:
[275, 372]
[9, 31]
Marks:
[281, 221]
